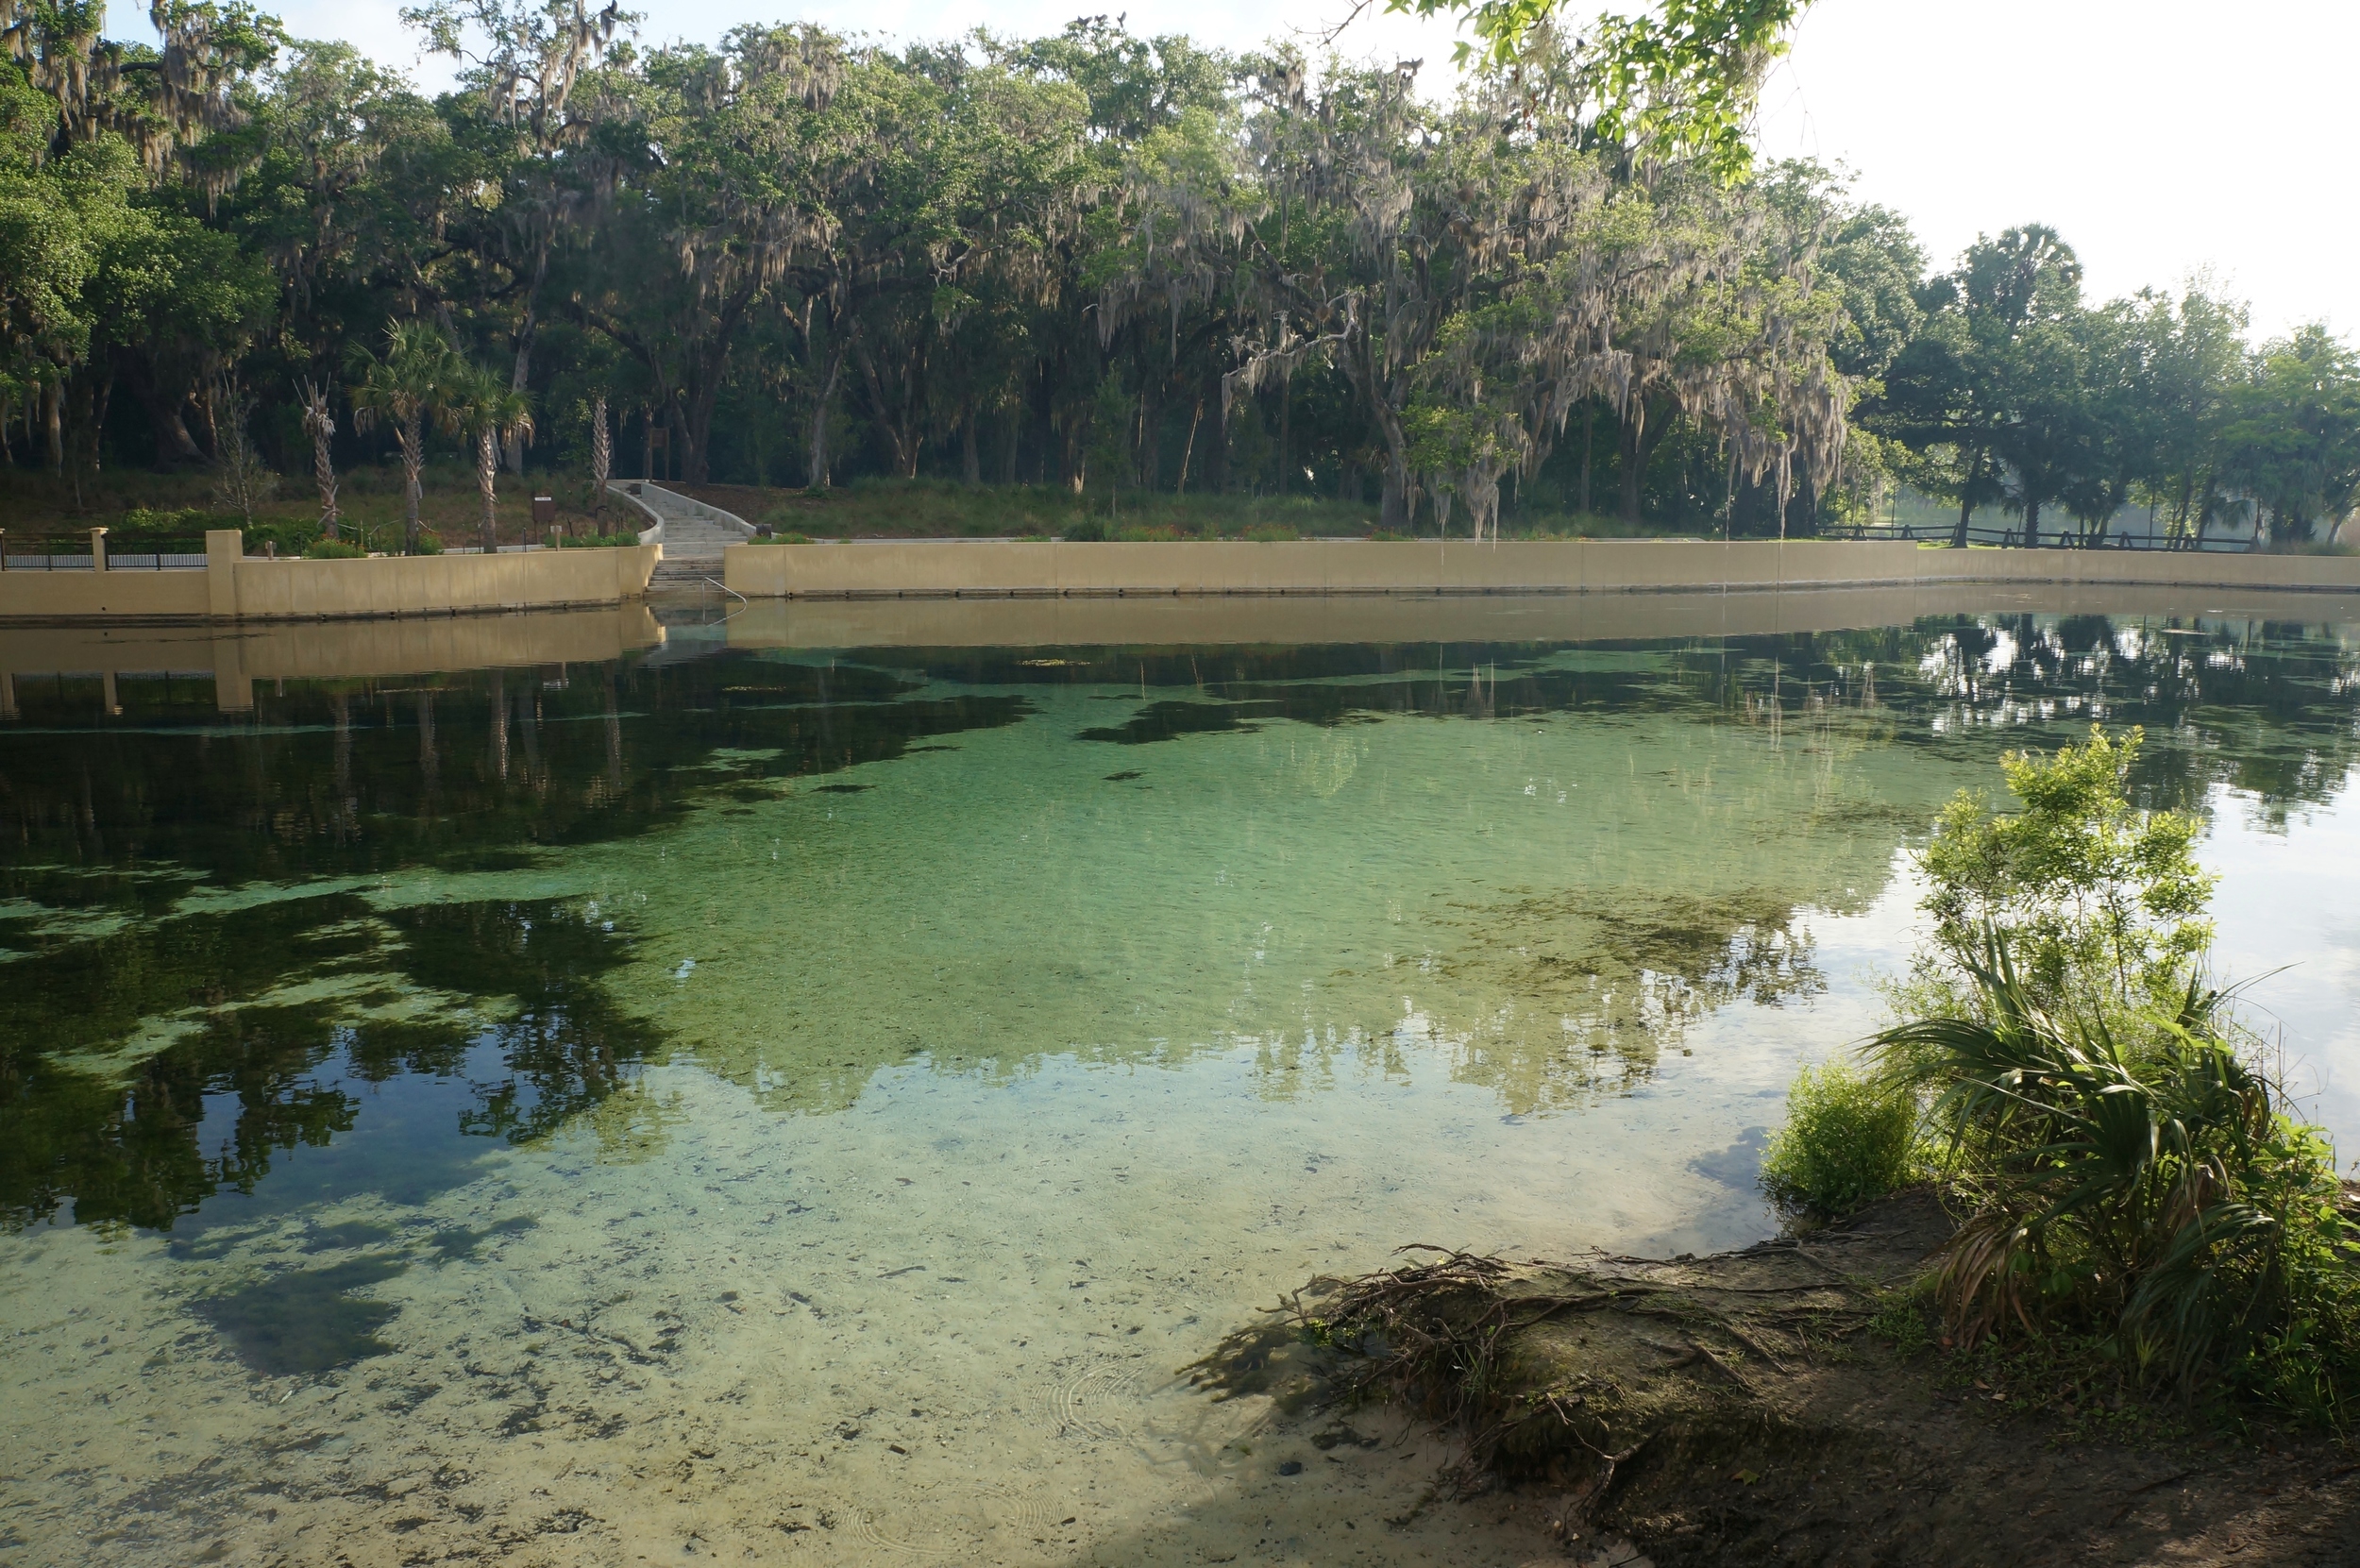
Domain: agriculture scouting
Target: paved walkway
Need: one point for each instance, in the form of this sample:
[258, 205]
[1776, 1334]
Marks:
[693, 534]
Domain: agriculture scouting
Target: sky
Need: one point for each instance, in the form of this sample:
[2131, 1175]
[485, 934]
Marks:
[2161, 138]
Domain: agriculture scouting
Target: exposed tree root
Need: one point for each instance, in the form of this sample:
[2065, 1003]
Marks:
[1729, 1409]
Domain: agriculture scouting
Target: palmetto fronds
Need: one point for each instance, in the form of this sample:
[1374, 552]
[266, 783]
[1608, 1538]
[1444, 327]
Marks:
[2133, 1170]
[420, 379]
[494, 414]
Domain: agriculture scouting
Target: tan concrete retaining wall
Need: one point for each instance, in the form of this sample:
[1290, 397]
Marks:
[234, 585]
[952, 567]
[76, 595]
[434, 584]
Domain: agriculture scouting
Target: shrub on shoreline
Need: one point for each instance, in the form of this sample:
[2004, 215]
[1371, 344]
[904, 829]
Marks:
[2128, 1172]
[2140, 1179]
[1850, 1136]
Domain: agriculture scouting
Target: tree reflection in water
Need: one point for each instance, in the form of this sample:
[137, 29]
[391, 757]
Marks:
[155, 1054]
[244, 1083]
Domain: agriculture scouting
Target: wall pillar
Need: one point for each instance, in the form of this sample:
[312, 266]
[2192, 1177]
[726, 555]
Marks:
[98, 549]
[224, 549]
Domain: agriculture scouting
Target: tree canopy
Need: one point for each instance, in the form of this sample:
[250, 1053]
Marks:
[1093, 260]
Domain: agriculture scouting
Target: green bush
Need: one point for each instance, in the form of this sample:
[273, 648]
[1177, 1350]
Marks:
[2140, 1178]
[333, 549]
[597, 541]
[2098, 900]
[1850, 1136]
[288, 538]
[2128, 1170]
[1085, 530]
[143, 526]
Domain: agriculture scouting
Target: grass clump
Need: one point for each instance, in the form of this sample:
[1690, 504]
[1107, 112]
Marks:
[1850, 1136]
[333, 549]
[1900, 1320]
[2075, 1384]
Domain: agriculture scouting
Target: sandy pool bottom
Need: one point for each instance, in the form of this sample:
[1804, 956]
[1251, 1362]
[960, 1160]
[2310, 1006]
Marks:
[951, 1323]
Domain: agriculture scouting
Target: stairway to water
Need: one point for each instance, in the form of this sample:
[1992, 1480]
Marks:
[694, 535]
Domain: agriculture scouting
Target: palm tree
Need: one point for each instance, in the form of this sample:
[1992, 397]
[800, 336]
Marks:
[494, 414]
[319, 423]
[421, 377]
[601, 456]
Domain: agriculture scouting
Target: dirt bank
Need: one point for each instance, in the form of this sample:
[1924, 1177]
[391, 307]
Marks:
[1738, 1409]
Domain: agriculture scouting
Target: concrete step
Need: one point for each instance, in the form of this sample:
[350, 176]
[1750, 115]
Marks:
[688, 570]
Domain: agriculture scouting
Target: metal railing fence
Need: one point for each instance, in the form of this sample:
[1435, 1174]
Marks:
[154, 561]
[2013, 538]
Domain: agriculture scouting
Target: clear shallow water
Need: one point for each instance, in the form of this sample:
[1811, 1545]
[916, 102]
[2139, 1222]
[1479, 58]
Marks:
[785, 1103]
